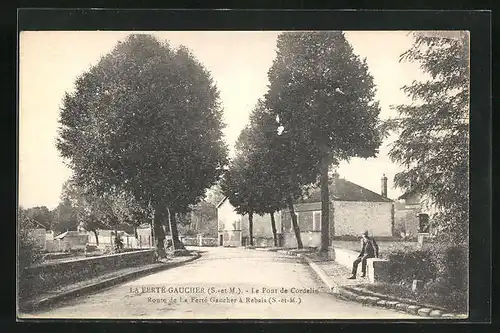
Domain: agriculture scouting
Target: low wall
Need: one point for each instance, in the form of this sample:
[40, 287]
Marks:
[191, 241]
[57, 245]
[377, 270]
[309, 239]
[51, 276]
[197, 241]
[209, 241]
[345, 257]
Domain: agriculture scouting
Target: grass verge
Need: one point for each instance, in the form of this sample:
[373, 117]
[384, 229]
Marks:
[452, 300]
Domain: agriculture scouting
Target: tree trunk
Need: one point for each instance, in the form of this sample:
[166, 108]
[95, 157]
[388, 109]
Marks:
[117, 246]
[295, 224]
[273, 226]
[158, 232]
[174, 232]
[325, 207]
[96, 237]
[250, 227]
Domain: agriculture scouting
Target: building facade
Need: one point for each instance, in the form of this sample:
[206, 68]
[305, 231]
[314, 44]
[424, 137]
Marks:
[233, 227]
[410, 211]
[353, 210]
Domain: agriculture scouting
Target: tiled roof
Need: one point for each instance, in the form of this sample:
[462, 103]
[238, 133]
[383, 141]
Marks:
[69, 233]
[221, 202]
[344, 190]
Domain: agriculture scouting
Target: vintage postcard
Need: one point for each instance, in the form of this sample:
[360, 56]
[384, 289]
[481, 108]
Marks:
[243, 175]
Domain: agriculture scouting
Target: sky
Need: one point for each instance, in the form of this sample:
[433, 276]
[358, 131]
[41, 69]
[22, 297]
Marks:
[50, 62]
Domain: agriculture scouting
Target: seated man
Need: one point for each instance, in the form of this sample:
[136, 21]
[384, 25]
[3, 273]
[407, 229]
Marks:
[369, 249]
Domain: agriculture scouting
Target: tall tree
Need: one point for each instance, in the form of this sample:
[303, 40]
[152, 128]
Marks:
[43, 217]
[433, 142]
[239, 185]
[101, 212]
[65, 217]
[146, 120]
[324, 97]
[203, 219]
[267, 158]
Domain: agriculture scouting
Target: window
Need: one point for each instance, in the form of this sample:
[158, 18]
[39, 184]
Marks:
[306, 221]
[317, 221]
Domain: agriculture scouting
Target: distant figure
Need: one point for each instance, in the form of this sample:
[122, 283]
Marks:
[368, 250]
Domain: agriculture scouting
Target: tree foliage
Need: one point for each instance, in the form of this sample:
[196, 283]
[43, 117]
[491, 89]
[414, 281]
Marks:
[110, 211]
[240, 187]
[214, 195]
[323, 96]
[28, 252]
[42, 215]
[433, 142]
[65, 216]
[146, 121]
[267, 153]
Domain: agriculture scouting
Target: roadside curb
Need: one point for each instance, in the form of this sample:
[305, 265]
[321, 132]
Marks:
[369, 298]
[366, 292]
[30, 306]
[293, 254]
[388, 302]
[332, 286]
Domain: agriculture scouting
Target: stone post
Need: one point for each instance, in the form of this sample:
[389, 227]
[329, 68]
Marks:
[417, 285]
[421, 239]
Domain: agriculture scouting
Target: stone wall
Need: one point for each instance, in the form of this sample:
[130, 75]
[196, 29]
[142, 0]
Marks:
[51, 276]
[344, 257]
[309, 239]
[200, 241]
[261, 225]
[231, 238]
[57, 245]
[354, 217]
[208, 241]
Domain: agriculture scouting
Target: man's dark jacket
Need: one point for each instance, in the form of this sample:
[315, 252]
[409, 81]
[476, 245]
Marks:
[369, 248]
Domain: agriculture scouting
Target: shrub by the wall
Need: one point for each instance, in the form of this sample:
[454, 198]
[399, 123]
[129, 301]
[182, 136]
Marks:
[28, 254]
[409, 263]
[438, 265]
[452, 266]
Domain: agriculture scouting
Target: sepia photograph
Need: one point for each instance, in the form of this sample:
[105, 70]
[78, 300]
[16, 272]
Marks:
[232, 175]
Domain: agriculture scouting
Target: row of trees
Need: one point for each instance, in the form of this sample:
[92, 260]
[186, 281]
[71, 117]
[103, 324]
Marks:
[79, 209]
[145, 124]
[319, 110]
[143, 128]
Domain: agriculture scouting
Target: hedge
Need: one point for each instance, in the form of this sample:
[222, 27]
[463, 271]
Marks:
[439, 266]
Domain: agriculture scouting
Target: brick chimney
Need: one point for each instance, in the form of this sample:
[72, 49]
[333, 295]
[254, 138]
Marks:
[384, 186]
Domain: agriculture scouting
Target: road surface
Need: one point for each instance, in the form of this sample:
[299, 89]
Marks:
[226, 283]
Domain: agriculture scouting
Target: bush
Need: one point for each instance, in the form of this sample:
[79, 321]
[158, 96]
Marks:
[408, 264]
[440, 266]
[28, 255]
